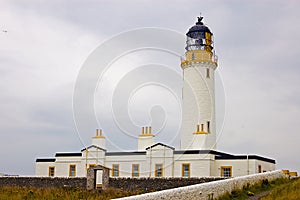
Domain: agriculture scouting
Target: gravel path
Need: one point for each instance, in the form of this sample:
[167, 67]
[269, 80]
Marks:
[256, 197]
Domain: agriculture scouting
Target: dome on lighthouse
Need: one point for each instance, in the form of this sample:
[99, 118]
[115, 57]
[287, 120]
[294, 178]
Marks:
[197, 30]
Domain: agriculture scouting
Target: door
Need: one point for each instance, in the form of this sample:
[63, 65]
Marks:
[99, 177]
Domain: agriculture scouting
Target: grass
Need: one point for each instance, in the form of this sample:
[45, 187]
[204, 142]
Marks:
[290, 190]
[257, 188]
[25, 193]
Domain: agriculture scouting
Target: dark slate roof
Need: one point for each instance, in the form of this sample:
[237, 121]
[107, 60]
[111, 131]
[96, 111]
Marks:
[240, 157]
[192, 152]
[45, 160]
[68, 154]
[94, 147]
[157, 144]
[225, 156]
[125, 153]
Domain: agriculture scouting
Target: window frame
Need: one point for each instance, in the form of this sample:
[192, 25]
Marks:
[117, 171]
[49, 171]
[189, 170]
[70, 171]
[226, 167]
[156, 170]
[133, 171]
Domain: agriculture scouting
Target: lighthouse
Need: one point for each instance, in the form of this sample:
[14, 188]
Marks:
[198, 128]
[156, 159]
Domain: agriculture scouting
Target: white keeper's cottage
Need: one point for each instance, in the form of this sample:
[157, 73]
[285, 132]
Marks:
[197, 156]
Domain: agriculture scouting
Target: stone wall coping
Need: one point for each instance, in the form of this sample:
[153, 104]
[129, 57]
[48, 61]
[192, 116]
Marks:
[202, 190]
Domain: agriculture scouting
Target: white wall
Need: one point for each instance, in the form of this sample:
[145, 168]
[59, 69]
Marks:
[241, 167]
[201, 165]
[198, 105]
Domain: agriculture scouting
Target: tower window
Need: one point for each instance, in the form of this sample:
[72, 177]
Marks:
[186, 170]
[115, 170]
[226, 171]
[207, 73]
[51, 171]
[158, 170]
[193, 56]
[72, 170]
[135, 170]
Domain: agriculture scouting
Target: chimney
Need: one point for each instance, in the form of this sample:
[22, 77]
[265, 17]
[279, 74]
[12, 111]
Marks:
[143, 130]
[99, 139]
[146, 139]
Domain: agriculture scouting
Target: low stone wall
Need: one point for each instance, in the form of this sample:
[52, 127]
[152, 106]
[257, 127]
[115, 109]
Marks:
[209, 190]
[43, 182]
[155, 184]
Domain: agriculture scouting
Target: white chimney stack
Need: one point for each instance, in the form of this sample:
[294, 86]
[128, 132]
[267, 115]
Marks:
[99, 139]
[145, 139]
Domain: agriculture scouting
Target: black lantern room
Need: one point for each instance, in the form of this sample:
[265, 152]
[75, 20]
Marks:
[199, 37]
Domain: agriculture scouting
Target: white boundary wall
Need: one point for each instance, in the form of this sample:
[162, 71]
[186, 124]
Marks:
[203, 190]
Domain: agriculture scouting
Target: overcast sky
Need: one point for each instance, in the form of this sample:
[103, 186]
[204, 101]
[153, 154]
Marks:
[44, 45]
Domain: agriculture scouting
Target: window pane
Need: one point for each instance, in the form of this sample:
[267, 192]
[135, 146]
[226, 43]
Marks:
[185, 170]
[51, 171]
[135, 170]
[158, 170]
[226, 172]
[116, 170]
[72, 171]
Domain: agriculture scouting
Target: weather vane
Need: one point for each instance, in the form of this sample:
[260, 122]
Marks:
[200, 17]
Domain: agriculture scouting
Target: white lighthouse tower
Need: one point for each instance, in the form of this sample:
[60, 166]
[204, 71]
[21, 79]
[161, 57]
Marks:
[198, 129]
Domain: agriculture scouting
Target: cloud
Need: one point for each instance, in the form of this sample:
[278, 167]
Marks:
[47, 42]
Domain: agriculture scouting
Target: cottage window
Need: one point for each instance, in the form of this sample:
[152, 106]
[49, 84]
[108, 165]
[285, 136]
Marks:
[115, 170]
[135, 170]
[186, 170]
[158, 170]
[72, 170]
[259, 169]
[51, 171]
[226, 171]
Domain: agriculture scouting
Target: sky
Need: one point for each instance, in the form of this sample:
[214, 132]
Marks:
[45, 46]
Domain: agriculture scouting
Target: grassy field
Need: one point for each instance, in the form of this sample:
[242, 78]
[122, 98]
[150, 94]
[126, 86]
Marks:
[23, 193]
[290, 191]
[249, 191]
[281, 189]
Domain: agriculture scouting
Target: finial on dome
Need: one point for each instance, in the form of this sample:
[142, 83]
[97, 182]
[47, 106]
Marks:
[199, 20]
